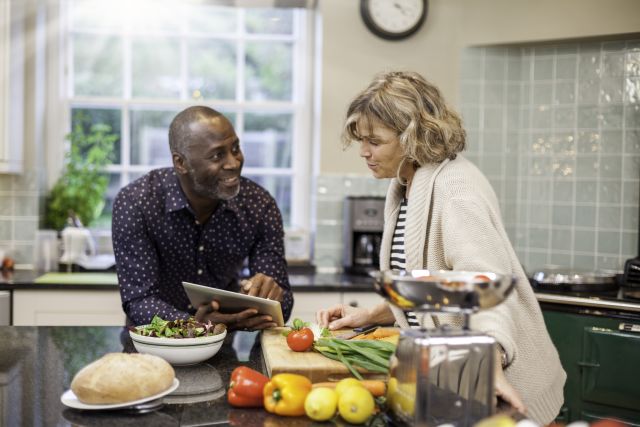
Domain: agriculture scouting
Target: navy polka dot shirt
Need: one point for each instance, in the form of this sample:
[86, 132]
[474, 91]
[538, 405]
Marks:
[158, 243]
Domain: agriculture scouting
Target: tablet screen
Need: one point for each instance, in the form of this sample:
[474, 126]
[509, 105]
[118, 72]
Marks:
[233, 302]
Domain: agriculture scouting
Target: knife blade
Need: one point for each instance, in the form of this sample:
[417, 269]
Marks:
[357, 331]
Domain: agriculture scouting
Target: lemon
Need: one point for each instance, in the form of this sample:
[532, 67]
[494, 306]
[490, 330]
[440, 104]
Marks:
[356, 404]
[321, 404]
[345, 384]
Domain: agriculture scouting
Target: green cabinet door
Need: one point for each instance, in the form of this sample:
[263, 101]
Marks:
[610, 368]
[602, 365]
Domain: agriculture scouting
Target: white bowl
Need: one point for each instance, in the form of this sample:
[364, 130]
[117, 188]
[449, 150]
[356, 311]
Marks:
[179, 351]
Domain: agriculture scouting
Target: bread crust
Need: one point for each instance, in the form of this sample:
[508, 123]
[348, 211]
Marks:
[122, 377]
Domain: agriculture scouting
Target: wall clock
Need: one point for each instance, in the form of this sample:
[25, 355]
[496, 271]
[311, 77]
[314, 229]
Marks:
[393, 19]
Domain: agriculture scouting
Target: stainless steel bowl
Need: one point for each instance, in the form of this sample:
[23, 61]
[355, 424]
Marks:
[442, 290]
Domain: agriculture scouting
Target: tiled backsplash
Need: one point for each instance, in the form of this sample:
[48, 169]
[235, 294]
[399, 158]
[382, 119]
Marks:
[556, 128]
[330, 192]
[20, 202]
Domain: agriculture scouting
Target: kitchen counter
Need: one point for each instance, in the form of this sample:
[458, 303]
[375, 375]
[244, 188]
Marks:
[319, 282]
[37, 365]
[331, 283]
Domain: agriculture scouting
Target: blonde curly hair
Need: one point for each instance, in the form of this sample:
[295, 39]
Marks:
[428, 130]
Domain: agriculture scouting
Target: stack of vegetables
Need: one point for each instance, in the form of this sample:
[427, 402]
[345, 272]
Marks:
[294, 395]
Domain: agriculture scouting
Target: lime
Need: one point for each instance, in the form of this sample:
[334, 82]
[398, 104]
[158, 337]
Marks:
[321, 404]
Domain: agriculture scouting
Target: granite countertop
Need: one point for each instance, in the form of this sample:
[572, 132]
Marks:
[37, 365]
[336, 282]
[318, 282]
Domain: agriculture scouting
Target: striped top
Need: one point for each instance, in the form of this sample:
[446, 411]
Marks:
[398, 260]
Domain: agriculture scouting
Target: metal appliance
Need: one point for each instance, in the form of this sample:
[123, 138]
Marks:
[443, 375]
[363, 226]
[563, 280]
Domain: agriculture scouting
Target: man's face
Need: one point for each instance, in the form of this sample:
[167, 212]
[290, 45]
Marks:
[214, 159]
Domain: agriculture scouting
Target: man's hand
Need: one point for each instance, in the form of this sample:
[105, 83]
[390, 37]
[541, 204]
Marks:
[248, 319]
[262, 286]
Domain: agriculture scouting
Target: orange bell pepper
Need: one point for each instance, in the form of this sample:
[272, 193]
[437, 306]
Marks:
[285, 394]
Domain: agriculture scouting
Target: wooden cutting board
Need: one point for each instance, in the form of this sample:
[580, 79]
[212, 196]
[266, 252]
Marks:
[279, 358]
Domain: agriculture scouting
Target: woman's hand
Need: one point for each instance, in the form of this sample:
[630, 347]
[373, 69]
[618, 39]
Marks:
[505, 391]
[343, 316]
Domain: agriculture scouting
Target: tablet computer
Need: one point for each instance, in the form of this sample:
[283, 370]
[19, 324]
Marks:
[233, 302]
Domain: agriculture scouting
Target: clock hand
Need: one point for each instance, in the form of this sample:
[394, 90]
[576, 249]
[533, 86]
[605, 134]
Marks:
[397, 6]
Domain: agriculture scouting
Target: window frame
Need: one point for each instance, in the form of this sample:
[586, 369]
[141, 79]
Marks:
[300, 106]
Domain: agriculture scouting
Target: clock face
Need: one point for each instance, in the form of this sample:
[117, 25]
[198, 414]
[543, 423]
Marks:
[393, 19]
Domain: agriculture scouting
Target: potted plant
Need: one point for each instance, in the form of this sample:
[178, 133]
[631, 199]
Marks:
[81, 188]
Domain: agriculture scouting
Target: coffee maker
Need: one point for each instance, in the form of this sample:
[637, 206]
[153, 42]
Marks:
[363, 226]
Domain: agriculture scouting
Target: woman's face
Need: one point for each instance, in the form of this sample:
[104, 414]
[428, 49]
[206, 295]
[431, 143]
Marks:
[380, 148]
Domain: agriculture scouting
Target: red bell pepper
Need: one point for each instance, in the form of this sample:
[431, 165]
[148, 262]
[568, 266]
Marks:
[245, 388]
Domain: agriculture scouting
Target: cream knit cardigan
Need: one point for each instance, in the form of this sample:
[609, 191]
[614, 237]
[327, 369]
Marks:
[454, 223]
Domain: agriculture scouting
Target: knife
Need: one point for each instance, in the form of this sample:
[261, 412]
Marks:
[357, 331]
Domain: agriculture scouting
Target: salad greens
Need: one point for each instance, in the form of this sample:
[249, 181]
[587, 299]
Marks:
[180, 328]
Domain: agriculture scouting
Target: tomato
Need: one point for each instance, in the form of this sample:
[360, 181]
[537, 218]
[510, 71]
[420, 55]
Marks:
[481, 278]
[300, 340]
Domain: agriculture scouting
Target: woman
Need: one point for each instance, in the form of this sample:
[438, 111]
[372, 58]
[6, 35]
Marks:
[441, 213]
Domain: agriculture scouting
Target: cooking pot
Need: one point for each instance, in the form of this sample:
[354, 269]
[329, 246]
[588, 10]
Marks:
[566, 280]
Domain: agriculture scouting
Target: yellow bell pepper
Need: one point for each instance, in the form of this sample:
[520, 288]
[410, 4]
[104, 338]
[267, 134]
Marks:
[285, 394]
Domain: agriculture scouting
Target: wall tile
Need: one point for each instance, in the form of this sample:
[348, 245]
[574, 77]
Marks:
[6, 205]
[565, 67]
[632, 116]
[543, 68]
[609, 242]
[609, 217]
[6, 230]
[5, 182]
[565, 92]
[575, 140]
[584, 241]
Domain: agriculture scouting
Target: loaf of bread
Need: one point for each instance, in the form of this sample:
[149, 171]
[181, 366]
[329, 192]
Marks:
[122, 377]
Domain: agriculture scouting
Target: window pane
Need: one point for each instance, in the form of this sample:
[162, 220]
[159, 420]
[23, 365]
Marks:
[269, 74]
[212, 19]
[212, 69]
[153, 15]
[104, 220]
[156, 67]
[280, 188]
[267, 140]
[92, 116]
[97, 65]
[94, 14]
[269, 21]
[150, 137]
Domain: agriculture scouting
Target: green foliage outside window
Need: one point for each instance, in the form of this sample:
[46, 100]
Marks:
[81, 188]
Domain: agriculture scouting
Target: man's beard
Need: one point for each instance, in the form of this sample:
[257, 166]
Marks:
[212, 188]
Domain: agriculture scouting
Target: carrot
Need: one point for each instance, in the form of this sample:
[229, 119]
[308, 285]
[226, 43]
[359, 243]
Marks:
[375, 387]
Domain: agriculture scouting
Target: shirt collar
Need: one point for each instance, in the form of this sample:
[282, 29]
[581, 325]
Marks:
[176, 199]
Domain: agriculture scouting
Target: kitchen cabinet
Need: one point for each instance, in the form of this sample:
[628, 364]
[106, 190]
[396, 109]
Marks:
[602, 366]
[67, 307]
[308, 303]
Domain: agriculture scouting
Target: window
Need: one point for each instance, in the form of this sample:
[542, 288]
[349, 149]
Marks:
[135, 65]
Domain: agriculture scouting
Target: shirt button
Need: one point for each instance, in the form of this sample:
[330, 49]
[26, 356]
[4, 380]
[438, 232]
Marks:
[197, 222]
[199, 271]
[190, 307]
[201, 248]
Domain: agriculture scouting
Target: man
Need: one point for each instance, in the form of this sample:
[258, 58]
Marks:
[198, 222]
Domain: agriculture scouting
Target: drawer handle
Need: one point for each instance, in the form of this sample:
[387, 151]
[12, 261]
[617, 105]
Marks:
[588, 365]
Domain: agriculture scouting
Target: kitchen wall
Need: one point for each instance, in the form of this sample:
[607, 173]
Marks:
[351, 55]
[556, 128]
